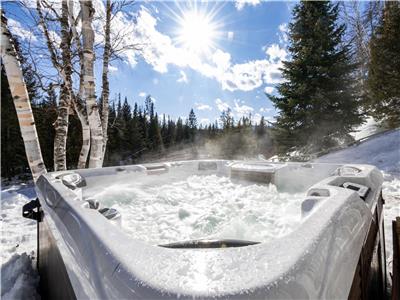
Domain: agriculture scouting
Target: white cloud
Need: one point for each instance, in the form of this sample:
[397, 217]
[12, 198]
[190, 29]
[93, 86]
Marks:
[240, 4]
[265, 109]
[205, 122]
[269, 89]
[17, 29]
[241, 109]
[160, 52]
[221, 105]
[112, 69]
[183, 77]
[202, 106]
[142, 94]
[283, 33]
[275, 52]
[230, 35]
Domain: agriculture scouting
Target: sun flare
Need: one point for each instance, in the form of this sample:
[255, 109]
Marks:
[197, 27]
[197, 32]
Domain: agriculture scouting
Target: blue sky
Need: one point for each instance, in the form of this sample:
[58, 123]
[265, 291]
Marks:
[244, 44]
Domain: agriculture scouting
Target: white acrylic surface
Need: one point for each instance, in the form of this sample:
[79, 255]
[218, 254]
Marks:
[317, 259]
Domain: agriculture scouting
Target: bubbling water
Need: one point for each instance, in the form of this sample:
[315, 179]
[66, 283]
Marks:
[203, 207]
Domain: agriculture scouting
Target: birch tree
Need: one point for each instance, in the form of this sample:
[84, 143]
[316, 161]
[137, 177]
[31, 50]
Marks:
[96, 132]
[77, 99]
[68, 99]
[361, 20]
[65, 62]
[106, 88]
[21, 102]
[61, 126]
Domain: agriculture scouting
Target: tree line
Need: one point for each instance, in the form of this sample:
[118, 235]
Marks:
[344, 65]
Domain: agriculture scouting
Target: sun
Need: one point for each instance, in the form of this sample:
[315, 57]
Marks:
[196, 32]
[198, 26]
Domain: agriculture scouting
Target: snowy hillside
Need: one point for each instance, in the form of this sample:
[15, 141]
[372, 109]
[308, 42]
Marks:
[382, 151]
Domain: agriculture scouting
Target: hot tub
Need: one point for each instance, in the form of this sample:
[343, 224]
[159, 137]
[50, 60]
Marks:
[212, 228]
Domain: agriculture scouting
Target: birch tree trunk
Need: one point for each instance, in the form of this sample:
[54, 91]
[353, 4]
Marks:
[65, 70]
[21, 102]
[106, 88]
[80, 111]
[61, 125]
[96, 132]
[77, 101]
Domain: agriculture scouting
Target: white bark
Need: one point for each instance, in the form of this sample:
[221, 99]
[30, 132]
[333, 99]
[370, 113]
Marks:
[96, 132]
[78, 106]
[80, 111]
[61, 126]
[65, 70]
[106, 89]
[21, 102]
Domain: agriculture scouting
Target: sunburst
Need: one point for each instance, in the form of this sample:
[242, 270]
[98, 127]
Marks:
[198, 29]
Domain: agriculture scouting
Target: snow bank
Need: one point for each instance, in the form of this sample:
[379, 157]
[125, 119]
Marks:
[203, 207]
[19, 279]
[368, 128]
[381, 151]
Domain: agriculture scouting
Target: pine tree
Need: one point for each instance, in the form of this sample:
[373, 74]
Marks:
[227, 119]
[192, 124]
[171, 132]
[186, 131]
[45, 116]
[384, 67]
[164, 129]
[316, 103]
[126, 111]
[136, 136]
[179, 131]
[126, 117]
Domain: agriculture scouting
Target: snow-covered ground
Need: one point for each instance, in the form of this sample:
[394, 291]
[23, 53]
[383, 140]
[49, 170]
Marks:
[368, 128]
[19, 277]
[382, 151]
[203, 207]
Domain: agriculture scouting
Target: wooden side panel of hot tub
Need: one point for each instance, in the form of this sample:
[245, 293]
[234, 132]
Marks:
[396, 259]
[54, 279]
[370, 276]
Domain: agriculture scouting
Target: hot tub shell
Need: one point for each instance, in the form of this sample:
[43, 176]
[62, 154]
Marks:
[336, 252]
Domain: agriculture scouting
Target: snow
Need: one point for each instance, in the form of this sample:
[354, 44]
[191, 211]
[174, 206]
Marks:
[368, 128]
[382, 151]
[203, 207]
[19, 279]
